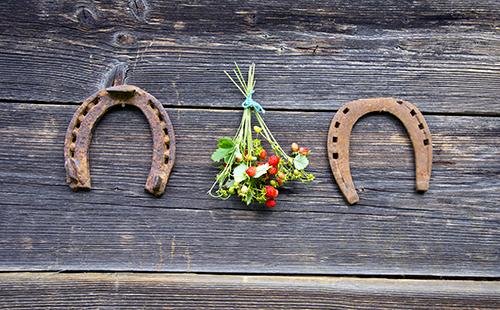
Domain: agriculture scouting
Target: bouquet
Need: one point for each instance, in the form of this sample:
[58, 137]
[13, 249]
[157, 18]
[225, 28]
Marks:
[248, 170]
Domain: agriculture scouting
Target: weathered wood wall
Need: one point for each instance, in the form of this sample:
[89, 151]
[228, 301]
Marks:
[444, 56]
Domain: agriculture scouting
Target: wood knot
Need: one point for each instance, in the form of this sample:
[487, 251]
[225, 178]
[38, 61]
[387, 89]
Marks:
[251, 18]
[124, 39]
[139, 9]
[86, 18]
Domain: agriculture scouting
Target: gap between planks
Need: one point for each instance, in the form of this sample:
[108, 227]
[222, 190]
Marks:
[237, 107]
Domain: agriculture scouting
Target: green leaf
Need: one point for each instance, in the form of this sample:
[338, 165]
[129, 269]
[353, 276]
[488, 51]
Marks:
[261, 170]
[249, 198]
[229, 183]
[220, 154]
[225, 143]
[300, 162]
[229, 155]
[239, 173]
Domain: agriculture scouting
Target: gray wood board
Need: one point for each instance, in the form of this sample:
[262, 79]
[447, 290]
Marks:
[443, 56]
[168, 291]
[451, 231]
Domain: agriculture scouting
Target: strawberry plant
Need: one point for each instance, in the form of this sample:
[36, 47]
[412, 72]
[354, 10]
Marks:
[244, 170]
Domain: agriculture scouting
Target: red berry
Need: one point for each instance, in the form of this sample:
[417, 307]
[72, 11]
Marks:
[260, 164]
[263, 154]
[281, 175]
[280, 181]
[272, 170]
[274, 160]
[271, 203]
[303, 150]
[251, 171]
[269, 191]
[295, 147]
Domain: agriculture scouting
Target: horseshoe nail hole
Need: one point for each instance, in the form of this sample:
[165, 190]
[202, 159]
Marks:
[78, 123]
[166, 159]
[84, 112]
[73, 138]
[335, 155]
[165, 131]
[337, 124]
[426, 142]
[71, 153]
[335, 139]
[346, 110]
[412, 112]
[400, 101]
[421, 126]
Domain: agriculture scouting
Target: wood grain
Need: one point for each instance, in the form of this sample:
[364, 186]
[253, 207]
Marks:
[451, 231]
[169, 291]
[312, 57]
[443, 56]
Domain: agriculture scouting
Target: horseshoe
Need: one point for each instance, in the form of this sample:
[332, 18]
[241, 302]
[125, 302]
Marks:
[340, 133]
[79, 135]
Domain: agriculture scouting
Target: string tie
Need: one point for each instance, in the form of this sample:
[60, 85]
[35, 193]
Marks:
[250, 103]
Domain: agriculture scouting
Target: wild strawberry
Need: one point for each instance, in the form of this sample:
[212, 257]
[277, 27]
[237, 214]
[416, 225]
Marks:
[303, 150]
[280, 181]
[260, 164]
[281, 175]
[271, 192]
[263, 154]
[243, 190]
[239, 158]
[274, 160]
[273, 183]
[271, 203]
[295, 147]
[251, 171]
[272, 170]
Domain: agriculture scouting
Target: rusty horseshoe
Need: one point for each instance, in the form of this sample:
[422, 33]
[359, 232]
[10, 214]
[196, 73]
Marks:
[79, 135]
[340, 133]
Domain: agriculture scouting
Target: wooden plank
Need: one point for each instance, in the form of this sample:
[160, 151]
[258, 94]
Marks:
[188, 291]
[444, 56]
[452, 230]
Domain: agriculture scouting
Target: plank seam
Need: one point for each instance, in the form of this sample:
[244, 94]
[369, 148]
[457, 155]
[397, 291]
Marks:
[278, 274]
[218, 108]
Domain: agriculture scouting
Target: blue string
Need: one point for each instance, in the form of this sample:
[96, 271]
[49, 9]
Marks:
[250, 103]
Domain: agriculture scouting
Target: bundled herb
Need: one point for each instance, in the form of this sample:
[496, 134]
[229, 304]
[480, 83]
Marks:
[247, 169]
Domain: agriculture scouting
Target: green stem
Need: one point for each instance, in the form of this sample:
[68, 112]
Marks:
[270, 138]
[223, 176]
